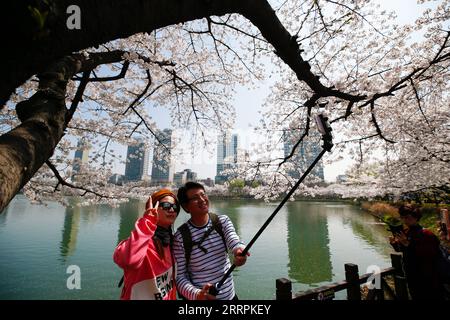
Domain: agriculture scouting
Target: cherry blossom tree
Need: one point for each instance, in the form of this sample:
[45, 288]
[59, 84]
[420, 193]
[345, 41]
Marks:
[381, 90]
[398, 113]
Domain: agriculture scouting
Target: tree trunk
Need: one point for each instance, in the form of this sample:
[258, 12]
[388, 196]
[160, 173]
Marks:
[24, 149]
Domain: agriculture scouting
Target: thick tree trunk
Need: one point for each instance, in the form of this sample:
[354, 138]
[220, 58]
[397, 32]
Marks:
[44, 118]
[24, 149]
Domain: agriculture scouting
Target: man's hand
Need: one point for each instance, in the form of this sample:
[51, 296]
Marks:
[204, 295]
[239, 259]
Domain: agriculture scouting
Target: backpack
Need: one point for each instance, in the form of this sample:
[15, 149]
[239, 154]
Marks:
[188, 244]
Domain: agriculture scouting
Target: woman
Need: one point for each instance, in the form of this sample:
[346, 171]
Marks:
[420, 248]
[146, 256]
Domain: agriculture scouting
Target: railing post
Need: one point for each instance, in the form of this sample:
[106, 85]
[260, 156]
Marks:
[401, 288]
[352, 278]
[284, 289]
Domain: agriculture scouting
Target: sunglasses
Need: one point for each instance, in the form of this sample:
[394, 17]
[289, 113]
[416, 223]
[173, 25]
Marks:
[167, 205]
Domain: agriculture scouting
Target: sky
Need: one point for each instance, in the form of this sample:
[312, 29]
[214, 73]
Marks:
[248, 103]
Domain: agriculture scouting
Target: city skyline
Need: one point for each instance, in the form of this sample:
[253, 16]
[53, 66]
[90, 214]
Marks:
[235, 147]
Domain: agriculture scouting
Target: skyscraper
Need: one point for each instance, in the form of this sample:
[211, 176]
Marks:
[137, 162]
[81, 157]
[163, 164]
[305, 153]
[180, 178]
[227, 155]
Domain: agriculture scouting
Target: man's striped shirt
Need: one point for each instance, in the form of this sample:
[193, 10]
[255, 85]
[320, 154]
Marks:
[206, 267]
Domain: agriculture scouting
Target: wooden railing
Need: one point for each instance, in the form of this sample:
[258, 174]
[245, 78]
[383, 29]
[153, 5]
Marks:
[352, 284]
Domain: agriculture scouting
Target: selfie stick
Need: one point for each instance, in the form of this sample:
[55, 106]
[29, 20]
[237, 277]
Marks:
[325, 130]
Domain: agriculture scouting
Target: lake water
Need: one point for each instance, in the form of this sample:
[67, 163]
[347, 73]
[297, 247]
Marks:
[307, 242]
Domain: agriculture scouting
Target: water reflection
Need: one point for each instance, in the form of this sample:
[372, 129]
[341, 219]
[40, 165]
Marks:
[370, 230]
[70, 232]
[308, 243]
[230, 208]
[3, 215]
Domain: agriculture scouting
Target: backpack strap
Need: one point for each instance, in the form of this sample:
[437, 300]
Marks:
[187, 242]
[217, 225]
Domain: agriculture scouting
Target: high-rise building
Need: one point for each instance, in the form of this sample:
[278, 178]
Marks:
[163, 164]
[304, 155]
[117, 179]
[180, 178]
[227, 155]
[136, 167]
[341, 178]
[81, 157]
[207, 182]
[190, 175]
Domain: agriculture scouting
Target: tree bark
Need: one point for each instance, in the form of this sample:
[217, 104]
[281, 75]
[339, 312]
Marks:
[24, 149]
[44, 116]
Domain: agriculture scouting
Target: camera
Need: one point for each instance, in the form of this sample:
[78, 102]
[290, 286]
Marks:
[395, 229]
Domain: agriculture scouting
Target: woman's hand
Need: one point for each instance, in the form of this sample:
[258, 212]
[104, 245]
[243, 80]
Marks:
[152, 211]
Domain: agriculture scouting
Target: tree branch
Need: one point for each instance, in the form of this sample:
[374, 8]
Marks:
[78, 96]
[375, 123]
[309, 105]
[63, 182]
[121, 75]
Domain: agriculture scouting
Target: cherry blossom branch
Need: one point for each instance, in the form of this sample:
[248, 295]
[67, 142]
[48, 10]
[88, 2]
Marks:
[78, 96]
[357, 139]
[140, 95]
[121, 75]
[419, 103]
[309, 105]
[63, 182]
[225, 24]
[92, 131]
[348, 112]
[358, 14]
[375, 123]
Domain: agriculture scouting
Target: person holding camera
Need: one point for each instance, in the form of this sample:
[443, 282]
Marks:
[202, 252]
[421, 254]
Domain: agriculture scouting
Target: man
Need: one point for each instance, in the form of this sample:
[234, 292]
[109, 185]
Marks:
[208, 259]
